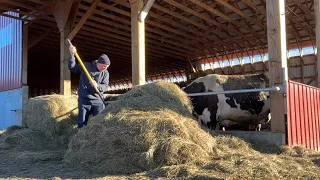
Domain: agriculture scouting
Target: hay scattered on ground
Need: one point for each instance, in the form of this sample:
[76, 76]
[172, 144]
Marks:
[25, 139]
[243, 163]
[52, 114]
[133, 141]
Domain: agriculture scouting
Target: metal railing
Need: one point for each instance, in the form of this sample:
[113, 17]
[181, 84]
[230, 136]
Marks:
[276, 88]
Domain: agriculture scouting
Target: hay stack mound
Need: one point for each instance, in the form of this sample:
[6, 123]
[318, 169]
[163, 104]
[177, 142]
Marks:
[131, 140]
[52, 114]
[153, 96]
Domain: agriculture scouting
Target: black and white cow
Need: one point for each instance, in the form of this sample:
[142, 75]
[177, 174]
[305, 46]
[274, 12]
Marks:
[229, 109]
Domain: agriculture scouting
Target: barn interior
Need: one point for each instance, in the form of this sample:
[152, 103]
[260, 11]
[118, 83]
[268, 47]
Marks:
[182, 38]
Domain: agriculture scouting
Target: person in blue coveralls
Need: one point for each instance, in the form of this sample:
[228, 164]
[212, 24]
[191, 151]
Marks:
[89, 101]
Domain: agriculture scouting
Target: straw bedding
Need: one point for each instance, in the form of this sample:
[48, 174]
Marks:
[147, 133]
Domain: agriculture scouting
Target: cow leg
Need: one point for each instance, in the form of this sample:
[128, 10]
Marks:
[217, 126]
[258, 128]
[223, 128]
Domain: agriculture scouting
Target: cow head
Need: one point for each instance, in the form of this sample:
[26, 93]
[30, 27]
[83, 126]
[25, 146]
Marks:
[194, 87]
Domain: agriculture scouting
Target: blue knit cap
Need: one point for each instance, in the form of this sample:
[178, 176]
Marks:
[103, 59]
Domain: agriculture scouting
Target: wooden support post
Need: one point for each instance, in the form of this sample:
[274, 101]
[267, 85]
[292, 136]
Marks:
[278, 73]
[65, 75]
[64, 13]
[25, 55]
[138, 44]
[317, 22]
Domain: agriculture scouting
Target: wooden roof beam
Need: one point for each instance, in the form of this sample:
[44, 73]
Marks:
[212, 10]
[251, 5]
[304, 9]
[154, 53]
[18, 4]
[83, 20]
[88, 33]
[191, 11]
[169, 21]
[37, 39]
[239, 12]
[128, 22]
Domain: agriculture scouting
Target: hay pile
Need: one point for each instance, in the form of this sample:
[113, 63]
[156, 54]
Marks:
[52, 114]
[132, 141]
[154, 96]
[148, 127]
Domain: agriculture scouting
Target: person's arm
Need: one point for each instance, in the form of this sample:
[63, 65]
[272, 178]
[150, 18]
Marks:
[73, 67]
[103, 86]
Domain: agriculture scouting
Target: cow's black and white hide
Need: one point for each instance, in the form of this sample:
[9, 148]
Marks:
[230, 109]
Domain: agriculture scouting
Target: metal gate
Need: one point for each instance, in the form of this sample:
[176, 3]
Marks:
[303, 115]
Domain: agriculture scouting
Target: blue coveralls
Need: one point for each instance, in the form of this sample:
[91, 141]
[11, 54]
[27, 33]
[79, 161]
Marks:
[89, 101]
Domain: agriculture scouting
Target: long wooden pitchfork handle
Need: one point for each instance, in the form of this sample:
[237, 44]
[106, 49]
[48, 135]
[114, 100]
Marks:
[87, 73]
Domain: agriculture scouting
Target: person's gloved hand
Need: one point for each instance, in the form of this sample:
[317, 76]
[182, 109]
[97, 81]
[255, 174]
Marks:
[94, 83]
[72, 49]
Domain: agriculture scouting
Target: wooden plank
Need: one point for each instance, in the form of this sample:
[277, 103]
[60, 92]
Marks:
[137, 44]
[83, 19]
[37, 39]
[277, 61]
[145, 10]
[317, 23]
[25, 55]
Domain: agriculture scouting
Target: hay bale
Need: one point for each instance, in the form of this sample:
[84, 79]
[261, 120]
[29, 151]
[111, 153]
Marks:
[132, 141]
[52, 114]
[153, 96]
[26, 139]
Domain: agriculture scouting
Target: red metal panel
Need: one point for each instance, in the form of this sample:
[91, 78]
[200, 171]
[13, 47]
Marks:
[310, 117]
[303, 115]
[317, 118]
[291, 115]
[298, 99]
[10, 52]
[317, 107]
[314, 115]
